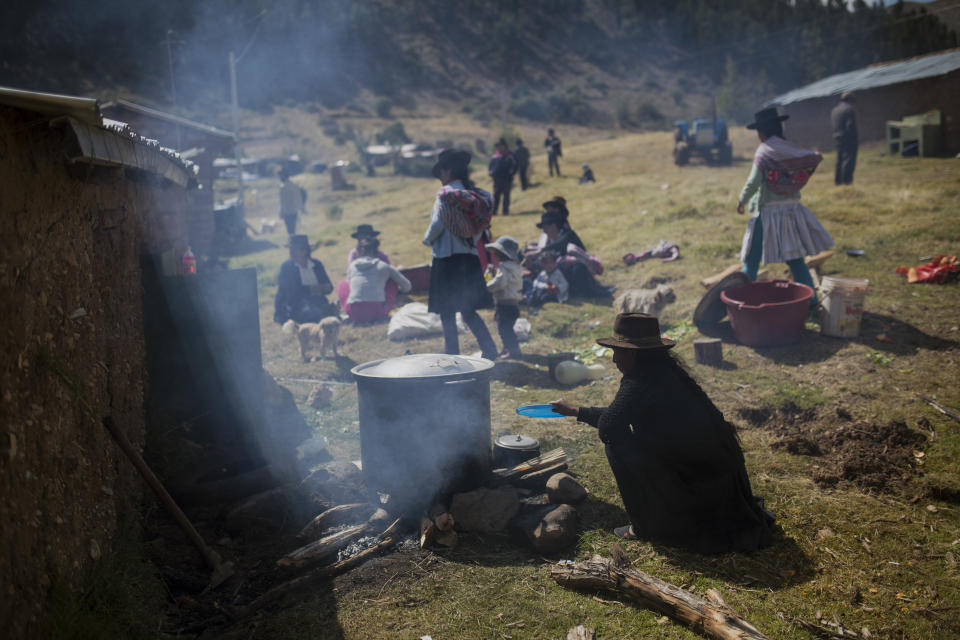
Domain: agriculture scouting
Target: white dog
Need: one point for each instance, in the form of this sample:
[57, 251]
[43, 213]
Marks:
[650, 301]
[268, 226]
[326, 333]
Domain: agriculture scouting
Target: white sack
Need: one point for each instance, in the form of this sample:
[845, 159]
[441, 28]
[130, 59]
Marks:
[412, 320]
[522, 328]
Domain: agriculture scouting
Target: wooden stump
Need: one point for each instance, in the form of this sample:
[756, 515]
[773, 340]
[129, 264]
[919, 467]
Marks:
[708, 351]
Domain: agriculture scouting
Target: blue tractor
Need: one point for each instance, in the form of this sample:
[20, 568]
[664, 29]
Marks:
[707, 138]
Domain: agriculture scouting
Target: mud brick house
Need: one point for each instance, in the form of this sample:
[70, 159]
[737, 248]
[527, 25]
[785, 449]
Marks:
[198, 142]
[887, 91]
[84, 204]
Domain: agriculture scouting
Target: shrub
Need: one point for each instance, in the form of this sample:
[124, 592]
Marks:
[530, 108]
[334, 212]
[394, 134]
[648, 113]
[383, 107]
[622, 111]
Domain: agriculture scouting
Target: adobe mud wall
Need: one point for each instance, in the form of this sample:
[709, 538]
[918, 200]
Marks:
[809, 122]
[71, 238]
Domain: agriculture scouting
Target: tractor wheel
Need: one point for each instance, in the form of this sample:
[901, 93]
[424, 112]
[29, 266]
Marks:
[725, 154]
[681, 154]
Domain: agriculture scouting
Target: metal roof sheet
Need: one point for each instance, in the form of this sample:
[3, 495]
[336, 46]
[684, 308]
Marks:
[102, 140]
[52, 104]
[878, 75]
[121, 105]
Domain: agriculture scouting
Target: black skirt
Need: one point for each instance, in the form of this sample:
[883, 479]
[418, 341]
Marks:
[457, 284]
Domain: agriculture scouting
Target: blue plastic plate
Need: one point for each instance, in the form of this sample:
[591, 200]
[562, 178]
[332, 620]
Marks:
[538, 411]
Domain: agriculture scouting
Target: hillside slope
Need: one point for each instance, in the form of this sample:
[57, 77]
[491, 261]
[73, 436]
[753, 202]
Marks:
[573, 61]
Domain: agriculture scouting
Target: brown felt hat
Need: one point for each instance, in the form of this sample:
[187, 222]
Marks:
[636, 331]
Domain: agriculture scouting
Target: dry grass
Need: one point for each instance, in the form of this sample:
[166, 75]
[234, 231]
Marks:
[888, 562]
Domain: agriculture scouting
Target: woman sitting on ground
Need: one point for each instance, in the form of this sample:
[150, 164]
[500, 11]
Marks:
[562, 241]
[373, 285]
[365, 232]
[676, 460]
[302, 286]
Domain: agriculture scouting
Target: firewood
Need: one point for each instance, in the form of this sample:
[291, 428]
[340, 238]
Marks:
[428, 532]
[939, 407]
[714, 279]
[325, 546]
[341, 514]
[388, 539]
[538, 479]
[550, 458]
[815, 262]
[711, 616]
[708, 351]
[581, 632]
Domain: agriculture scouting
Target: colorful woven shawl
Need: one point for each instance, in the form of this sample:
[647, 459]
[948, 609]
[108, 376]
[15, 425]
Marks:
[465, 212]
[786, 167]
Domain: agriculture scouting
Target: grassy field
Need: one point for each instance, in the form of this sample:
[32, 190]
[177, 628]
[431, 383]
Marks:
[885, 561]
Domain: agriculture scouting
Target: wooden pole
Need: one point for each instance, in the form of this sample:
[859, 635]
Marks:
[709, 616]
[209, 556]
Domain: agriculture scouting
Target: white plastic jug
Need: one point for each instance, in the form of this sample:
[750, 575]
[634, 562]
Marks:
[842, 300]
[573, 372]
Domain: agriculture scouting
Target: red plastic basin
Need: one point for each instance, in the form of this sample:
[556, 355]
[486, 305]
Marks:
[768, 314]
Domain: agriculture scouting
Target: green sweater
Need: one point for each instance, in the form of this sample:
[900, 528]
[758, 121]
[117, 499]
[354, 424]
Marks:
[756, 193]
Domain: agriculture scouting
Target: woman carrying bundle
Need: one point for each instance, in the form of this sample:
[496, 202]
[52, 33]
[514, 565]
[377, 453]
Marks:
[456, 276]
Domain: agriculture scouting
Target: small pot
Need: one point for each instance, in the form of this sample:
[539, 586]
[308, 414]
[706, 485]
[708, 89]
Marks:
[509, 450]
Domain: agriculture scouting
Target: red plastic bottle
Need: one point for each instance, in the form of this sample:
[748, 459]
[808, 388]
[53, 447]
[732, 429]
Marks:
[188, 263]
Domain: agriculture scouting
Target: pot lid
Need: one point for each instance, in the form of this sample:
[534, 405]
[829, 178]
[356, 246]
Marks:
[516, 441]
[711, 309]
[421, 365]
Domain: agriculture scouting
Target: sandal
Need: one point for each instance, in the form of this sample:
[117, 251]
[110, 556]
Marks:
[624, 532]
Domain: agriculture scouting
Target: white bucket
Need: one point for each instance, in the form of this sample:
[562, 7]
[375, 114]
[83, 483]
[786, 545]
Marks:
[842, 300]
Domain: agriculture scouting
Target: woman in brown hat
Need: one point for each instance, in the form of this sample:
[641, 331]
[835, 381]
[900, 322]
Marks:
[676, 460]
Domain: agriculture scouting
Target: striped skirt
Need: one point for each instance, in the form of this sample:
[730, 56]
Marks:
[790, 231]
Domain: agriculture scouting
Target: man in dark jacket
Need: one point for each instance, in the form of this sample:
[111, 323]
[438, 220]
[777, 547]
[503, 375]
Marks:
[522, 154]
[501, 169]
[844, 121]
[554, 151]
[302, 287]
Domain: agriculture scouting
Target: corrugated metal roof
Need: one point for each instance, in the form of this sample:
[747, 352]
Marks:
[878, 75]
[102, 140]
[52, 104]
[121, 104]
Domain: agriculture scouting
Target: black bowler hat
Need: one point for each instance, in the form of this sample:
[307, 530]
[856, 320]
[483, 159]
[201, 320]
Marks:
[766, 116]
[452, 159]
[364, 230]
[550, 217]
[636, 331]
[299, 241]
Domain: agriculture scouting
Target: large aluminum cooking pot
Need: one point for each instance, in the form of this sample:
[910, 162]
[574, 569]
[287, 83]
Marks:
[424, 426]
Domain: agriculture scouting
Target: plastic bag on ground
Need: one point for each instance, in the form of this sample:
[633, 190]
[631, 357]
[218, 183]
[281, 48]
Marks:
[412, 320]
[522, 328]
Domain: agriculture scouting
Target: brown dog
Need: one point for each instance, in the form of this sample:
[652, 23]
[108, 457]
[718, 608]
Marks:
[326, 333]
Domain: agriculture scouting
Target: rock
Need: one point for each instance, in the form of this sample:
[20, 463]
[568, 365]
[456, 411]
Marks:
[320, 396]
[334, 483]
[549, 529]
[564, 489]
[485, 510]
[263, 512]
[284, 424]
